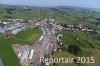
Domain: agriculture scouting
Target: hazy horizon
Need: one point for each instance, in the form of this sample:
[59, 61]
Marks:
[50, 3]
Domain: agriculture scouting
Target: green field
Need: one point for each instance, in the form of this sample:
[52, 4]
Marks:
[89, 45]
[7, 54]
[67, 17]
[22, 14]
[98, 27]
[87, 52]
[85, 40]
[30, 36]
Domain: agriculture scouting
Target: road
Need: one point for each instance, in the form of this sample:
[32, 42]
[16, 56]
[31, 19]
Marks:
[44, 46]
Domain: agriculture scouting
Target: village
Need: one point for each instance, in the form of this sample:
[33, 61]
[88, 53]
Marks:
[15, 26]
[48, 42]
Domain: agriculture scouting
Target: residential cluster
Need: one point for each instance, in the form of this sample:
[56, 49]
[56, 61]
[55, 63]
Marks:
[80, 27]
[13, 26]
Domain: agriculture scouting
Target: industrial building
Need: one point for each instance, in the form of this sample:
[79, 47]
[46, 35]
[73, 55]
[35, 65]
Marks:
[24, 52]
[14, 26]
[26, 55]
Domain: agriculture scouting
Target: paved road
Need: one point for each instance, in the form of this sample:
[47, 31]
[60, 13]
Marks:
[44, 46]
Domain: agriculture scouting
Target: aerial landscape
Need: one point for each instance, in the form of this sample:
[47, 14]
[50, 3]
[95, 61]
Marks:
[49, 33]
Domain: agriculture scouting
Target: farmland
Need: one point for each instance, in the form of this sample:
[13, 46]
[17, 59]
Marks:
[66, 16]
[85, 42]
[86, 53]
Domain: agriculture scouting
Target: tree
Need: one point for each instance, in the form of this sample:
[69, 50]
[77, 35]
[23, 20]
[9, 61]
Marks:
[73, 49]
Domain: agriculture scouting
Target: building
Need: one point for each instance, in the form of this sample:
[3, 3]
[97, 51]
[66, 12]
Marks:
[26, 54]
[14, 26]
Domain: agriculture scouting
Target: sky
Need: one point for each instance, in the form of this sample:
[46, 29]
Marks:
[49, 3]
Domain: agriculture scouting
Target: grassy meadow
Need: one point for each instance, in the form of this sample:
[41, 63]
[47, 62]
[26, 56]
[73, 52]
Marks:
[89, 45]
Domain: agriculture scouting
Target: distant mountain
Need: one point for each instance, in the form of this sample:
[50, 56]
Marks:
[60, 8]
[77, 9]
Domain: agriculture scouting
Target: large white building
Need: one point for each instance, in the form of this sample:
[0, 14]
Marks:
[26, 54]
